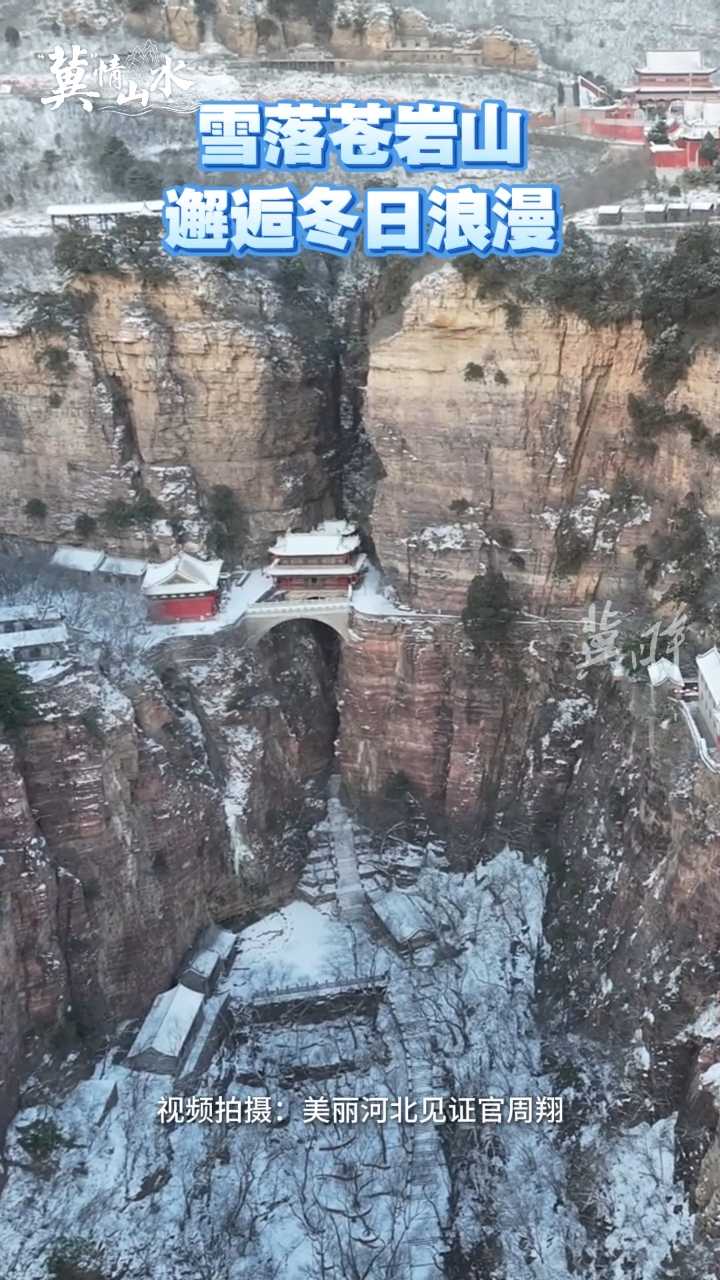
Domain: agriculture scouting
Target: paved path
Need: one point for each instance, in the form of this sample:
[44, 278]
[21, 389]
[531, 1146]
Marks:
[351, 897]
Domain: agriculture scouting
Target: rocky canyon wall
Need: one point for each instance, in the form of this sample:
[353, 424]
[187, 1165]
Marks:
[131, 819]
[169, 389]
[485, 741]
[111, 847]
[512, 449]
[496, 421]
[352, 29]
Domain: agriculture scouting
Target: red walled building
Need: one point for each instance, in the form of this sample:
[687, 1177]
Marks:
[183, 589]
[327, 562]
[617, 124]
[681, 153]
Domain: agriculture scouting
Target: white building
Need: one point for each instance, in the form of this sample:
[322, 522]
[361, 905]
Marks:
[77, 559]
[708, 665]
[212, 957]
[125, 568]
[101, 216]
[26, 637]
[664, 670]
[167, 1033]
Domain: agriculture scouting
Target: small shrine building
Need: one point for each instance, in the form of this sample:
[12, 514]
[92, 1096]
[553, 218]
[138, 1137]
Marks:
[326, 562]
[184, 589]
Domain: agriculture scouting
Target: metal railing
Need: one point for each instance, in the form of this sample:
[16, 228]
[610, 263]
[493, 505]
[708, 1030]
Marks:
[315, 990]
[299, 608]
[699, 740]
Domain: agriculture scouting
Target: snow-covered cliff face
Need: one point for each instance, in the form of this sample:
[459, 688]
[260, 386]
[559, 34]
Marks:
[132, 818]
[575, 33]
[571, 34]
[484, 426]
[153, 388]
[96, 1178]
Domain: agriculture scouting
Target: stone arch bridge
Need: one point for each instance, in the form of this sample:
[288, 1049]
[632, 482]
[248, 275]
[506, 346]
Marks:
[261, 618]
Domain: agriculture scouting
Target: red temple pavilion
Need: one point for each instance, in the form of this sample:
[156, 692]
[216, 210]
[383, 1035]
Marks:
[183, 589]
[669, 75]
[323, 563]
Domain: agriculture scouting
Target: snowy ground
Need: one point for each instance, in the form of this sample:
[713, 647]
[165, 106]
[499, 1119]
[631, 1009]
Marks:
[299, 1200]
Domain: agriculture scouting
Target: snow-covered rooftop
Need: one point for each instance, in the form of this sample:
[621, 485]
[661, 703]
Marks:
[21, 612]
[708, 665]
[669, 62]
[100, 210]
[82, 559]
[124, 566]
[169, 1023]
[331, 538]
[10, 640]
[221, 941]
[663, 670]
[403, 915]
[204, 962]
[183, 575]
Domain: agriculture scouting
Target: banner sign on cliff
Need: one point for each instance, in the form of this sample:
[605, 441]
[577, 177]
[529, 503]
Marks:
[363, 137]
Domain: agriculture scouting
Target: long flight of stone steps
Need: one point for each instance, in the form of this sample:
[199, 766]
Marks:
[318, 883]
[332, 874]
[424, 1081]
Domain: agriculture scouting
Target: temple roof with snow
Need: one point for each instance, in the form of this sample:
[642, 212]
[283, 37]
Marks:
[81, 559]
[169, 1023]
[673, 73]
[183, 575]
[708, 665]
[669, 62]
[11, 640]
[331, 538]
[663, 670]
[124, 566]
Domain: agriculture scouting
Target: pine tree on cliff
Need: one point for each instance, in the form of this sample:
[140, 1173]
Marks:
[17, 701]
[489, 608]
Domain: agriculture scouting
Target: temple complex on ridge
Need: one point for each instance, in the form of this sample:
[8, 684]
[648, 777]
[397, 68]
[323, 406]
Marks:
[327, 562]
